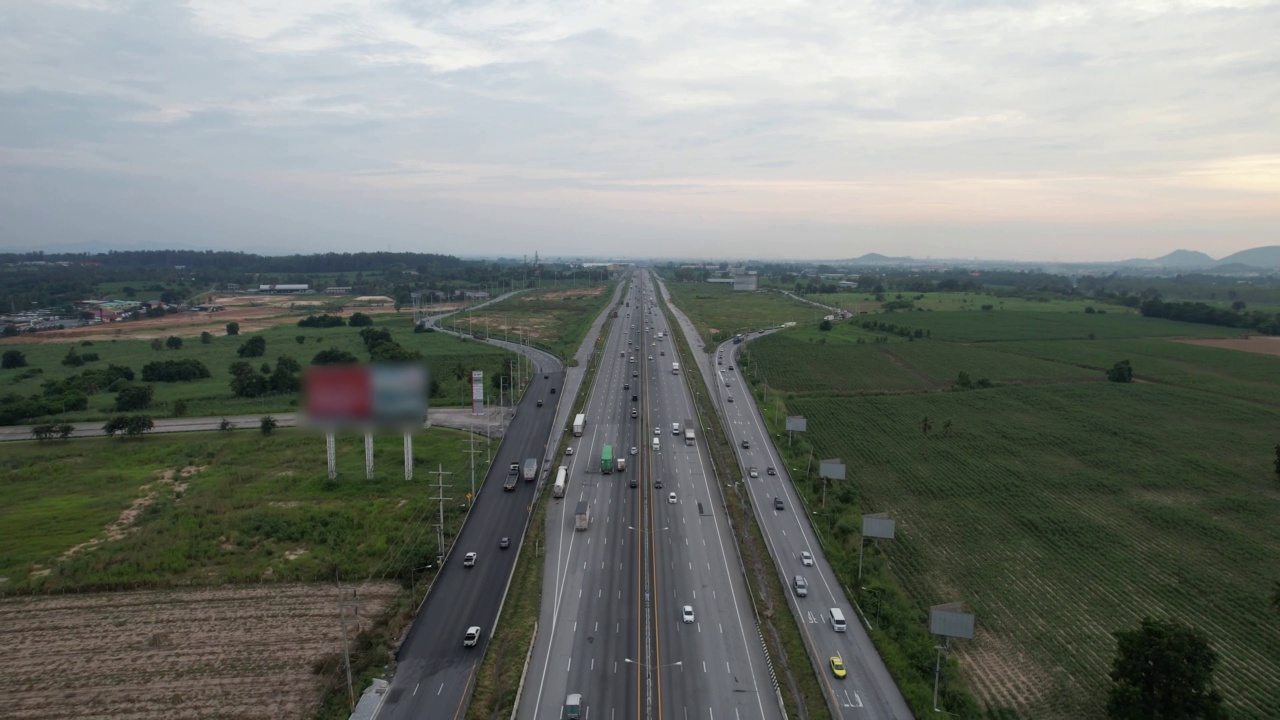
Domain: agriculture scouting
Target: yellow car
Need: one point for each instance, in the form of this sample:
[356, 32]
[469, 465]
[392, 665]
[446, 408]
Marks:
[837, 667]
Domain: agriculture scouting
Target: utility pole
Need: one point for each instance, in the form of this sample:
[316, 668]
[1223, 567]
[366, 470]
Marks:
[348, 614]
[472, 452]
[440, 473]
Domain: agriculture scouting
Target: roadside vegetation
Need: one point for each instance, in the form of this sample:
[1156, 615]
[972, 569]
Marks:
[219, 508]
[223, 374]
[718, 313]
[1058, 507]
[555, 317]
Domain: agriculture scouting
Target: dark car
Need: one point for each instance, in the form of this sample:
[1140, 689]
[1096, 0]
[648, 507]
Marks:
[771, 471]
[746, 444]
[539, 403]
[777, 503]
[504, 543]
[553, 391]
[546, 377]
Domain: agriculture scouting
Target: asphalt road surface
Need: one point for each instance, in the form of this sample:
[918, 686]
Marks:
[868, 692]
[612, 625]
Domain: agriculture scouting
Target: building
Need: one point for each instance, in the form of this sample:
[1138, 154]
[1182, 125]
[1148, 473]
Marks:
[284, 288]
[473, 294]
[231, 286]
[338, 290]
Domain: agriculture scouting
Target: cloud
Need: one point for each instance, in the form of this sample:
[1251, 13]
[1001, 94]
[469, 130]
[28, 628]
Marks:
[722, 116]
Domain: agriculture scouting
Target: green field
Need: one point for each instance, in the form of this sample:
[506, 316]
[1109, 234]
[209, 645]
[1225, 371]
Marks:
[443, 354]
[1057, 506]
[253, 500]
[557, 318]
[719, 312]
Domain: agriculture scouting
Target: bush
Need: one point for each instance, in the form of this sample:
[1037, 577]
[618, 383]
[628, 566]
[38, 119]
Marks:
[333, 356]
[1121, 372]
[13, 359]
[72, 358]
[360, 320]
[173, 342]
[175, 371]
[322, 321]
[134, 397]
[255, 346]
[233, 328]
[207, 337]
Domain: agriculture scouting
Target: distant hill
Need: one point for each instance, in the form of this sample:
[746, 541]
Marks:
[1185, 258]
[877, 258]
[1260, 257]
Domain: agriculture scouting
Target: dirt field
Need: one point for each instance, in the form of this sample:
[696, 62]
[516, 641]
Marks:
[253, 312]
[1261, 344]
[561, 294]
[222, 652]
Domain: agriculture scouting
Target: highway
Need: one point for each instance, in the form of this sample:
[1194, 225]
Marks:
[868, 692]
[612, 626]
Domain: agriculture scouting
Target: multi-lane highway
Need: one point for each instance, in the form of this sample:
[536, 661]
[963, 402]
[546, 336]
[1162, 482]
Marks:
[614, 625]
[868, 691]
[435, 672]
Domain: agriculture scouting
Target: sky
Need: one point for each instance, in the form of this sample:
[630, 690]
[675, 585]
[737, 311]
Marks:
[810, 130]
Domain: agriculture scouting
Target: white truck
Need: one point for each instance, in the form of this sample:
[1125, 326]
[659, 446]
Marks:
[562, 478]
[675, 368]
[581, 516]
[689, 437]
[579, 423]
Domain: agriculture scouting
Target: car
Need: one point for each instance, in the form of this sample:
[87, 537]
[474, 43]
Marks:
[658, 483]
[472, 637]
[635, 413]
[686, 614]
[539, 403]
[671, 498]
[553, 391]
[753, 472]
[746, 444]
[504, 543]
[730, 398]
[663, 353]
[546, 377]
[568, 450]
[634, 450]
[806, 558]
[730, 368]
[657, 431]
[626, 386]
[777, 504]
[837, 666]
[771, 471]
[726, 383]
[719, 361]
[469, 560]
[650, 358]
[635, 398]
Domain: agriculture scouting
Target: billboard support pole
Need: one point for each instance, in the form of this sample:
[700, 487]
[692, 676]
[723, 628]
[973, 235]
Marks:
[408, 455]
[368, 456]
[331, 455]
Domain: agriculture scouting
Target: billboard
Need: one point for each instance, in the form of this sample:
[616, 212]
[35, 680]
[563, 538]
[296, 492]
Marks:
[797, 423]
[831, 469]
[477, 392]
[365, 395]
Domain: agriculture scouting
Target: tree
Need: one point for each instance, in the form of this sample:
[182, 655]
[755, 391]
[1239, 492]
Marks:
[946, 428]
[157, 345]
[233, 328]
[255, 346]
[333, 356]
[359, 319]
[460, 372]
[136, 425]
[825, 325]
[134, 397]
[1121, 372]
[180, 408]
[963, 380]
[43, 432]
[1238, 306]
[925, 425]
[206, 338]
[226, 425]
[173, 342]
[1163, 670]
[65, 430]
[72, 358]
[11, 330]
[13, 359]
[300, 339]
[267, 424]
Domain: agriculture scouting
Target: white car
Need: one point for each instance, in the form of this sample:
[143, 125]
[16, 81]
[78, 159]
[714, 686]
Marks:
[569, 450]
[753, 472]
[472, 637]
[671, 498]
[686, 614]
[633, 450]
[806, 558]
[469, 560]
[657, 431]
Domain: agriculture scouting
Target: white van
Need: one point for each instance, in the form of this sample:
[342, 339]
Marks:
[655, 444]
[837, 620]
[675, 428]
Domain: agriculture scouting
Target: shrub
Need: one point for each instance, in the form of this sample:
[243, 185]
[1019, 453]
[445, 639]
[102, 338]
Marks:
[183, 370]
[13, 359]
[255, 346]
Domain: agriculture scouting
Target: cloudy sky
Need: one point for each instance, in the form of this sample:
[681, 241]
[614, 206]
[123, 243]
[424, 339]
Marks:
[965, 128]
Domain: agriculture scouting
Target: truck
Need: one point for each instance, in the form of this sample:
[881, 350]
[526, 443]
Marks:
[562, 478]
[530, 469]
[579, 422]
[675, 368]
[737, 339]
[689, 437]
[621, 464]
[606, 460]
[581, 516]
[513, 474]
